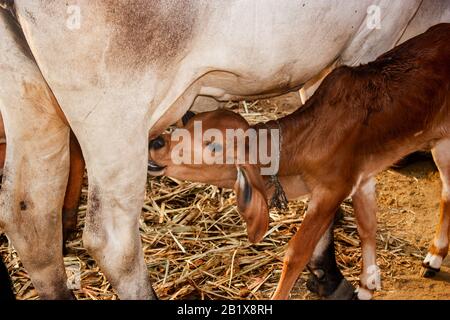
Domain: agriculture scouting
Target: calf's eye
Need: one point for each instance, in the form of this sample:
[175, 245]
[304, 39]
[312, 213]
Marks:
[214, 147]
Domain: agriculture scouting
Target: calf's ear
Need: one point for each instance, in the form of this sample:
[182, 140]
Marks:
[252, 201]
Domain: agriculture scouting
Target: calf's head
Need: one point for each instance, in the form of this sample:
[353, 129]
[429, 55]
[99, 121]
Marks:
[202, 151]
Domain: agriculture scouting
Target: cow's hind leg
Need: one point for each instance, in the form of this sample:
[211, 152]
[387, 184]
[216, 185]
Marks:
[439, 247]
[116, 161]
[36, 167]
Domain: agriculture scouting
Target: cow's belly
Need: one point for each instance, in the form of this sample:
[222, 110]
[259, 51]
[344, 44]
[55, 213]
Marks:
[264, 48]
[252, 49]
[225, 49]
[225, 86]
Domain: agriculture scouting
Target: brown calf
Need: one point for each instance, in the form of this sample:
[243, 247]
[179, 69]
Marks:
[360, 121]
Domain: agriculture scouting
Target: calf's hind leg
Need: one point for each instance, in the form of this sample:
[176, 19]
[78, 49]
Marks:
[365, 206]
[326, 279]
[439, 247]
[73, 191]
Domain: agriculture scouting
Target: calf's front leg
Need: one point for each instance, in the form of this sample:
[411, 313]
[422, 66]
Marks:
[318, 218]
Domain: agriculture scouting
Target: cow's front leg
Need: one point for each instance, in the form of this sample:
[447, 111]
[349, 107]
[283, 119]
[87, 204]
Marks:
[365, 206]
[34, 180]
[36, 167]
[33, 184]
[326, 279]
[318, 218]
[116, 160]
[31, 197]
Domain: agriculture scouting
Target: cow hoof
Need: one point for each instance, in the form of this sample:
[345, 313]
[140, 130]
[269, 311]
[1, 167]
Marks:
[345, 291]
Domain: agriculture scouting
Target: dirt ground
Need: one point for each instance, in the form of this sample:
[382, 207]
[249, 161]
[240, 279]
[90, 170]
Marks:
[408, 201]
[408, 209]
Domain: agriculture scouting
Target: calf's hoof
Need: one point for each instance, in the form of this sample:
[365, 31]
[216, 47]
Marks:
[328, 290]
[429, 272]
[363, 294]
[67, 235]
[431, 265]
[345, 291]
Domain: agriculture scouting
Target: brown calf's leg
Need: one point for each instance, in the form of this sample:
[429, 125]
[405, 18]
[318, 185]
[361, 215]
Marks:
[365, 205]
[73, 191]
[318, 217]
[325, 278]
[2, 155]
[439, 247]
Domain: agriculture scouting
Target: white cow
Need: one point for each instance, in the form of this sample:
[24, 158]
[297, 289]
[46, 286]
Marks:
[116, 70]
